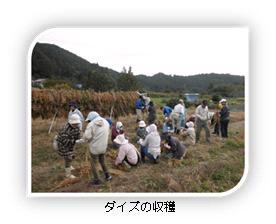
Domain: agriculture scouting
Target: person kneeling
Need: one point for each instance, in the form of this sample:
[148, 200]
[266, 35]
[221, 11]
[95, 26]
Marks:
[151, 145]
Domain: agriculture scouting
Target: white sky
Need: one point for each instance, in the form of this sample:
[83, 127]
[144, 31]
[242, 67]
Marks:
[180, 51]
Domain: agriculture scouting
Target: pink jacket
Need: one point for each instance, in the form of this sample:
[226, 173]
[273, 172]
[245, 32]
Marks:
[129, 151]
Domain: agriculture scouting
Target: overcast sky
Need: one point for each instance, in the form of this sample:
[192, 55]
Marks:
[180, 51]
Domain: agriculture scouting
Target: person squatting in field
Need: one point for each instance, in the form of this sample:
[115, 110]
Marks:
[116, 130]
[177, 148]
[65, 142]
[74, 110]
[96, 134]
[189, 134]
[151, 145]
[127, 152]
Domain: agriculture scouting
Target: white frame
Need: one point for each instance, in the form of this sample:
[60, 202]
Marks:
[97, 194]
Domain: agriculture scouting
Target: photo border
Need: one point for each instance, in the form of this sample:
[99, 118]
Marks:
[31, 194]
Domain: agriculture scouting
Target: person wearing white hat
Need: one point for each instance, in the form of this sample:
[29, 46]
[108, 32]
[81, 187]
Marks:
[141, 132]
[189, 134]
[116, 130]
[65, 141]
[224, 118]
[127, 152]
[74, 110]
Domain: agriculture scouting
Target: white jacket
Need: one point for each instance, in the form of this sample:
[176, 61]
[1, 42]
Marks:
[179, 108]
[96, 134]
[152, 142]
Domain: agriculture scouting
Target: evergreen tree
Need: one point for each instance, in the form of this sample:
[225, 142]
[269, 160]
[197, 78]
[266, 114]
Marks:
[127, 81]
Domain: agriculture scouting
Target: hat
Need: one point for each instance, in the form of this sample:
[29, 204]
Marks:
[74, 119]
[142, 124]
[223, 101]
[120, 139]
[181, 101]
[72, 104]
[190, 124]
[151, 128]
[92, 115]
[119, 125]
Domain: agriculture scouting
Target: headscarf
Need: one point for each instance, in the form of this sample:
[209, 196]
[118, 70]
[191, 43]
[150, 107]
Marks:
[92, 115]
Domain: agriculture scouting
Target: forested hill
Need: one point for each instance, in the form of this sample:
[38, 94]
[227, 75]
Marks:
[194, 83]
[52, 62]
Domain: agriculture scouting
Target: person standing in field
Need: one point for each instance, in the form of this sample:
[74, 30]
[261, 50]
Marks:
[152, 113]
[178, 116]
[139, 106]
[74, 110]
[96, 134]
[216, 119]
[224, 118]
[65, 143]
[127, 152]
[202, 121]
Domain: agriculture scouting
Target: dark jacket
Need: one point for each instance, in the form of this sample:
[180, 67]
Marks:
[115, 132]
[152, 114]
[224, 114]
[141, 133]
[66, 140]
[177, 147]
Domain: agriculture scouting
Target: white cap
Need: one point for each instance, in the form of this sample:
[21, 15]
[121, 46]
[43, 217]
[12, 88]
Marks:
[74, 119]
[223, 101]
[120, 139]
[142, 124]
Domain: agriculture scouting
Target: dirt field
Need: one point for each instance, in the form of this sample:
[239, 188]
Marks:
[214, 167]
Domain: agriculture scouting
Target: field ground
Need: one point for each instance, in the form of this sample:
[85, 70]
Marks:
[215, 167]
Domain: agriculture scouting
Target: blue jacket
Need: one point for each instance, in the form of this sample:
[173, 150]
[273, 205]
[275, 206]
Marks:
[139, 104]
[167, 110]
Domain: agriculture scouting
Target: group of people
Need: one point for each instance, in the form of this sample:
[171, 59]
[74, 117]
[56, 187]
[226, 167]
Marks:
[177, 134]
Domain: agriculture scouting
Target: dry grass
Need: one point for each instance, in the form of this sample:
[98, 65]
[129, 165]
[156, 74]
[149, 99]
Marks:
[215, 167]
